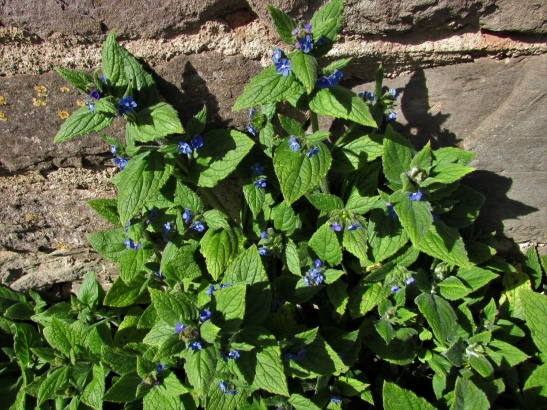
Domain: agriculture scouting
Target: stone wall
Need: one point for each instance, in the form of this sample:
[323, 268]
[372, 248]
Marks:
[470, 73]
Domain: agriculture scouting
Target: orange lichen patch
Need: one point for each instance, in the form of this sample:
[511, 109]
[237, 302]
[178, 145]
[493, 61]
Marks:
[63, 114]
[41, 90]
[32, 217]
[2, 100]
[61, 246]
[3, 116]
[80, 103]
[64, 89]
[38, 103]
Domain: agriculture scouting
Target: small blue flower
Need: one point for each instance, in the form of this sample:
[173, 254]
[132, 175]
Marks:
[306, 43]
[391, 211]
[262, 251]
[222, 387]
[307, 27]
[166, 227]
[293, 144]
[257, 169]
[353, 227]
[204, 315]
[415, 196]
[179, 327]
[159, 367]
[234, 354]
[260, 183]
[152, 214]
[336, 227]
[315, 277]
[158, 274]
[393, 93]
[313, 151]
[395, 289]
[91, 106]
[126, 104]
[113, 150]
[409, 280]
[336, 76]
[276, 56]
[232, 392]
[306, 280]
[391, 116]
[195, 345]
[224, 285]
[197, 226]
[210, 290]
[301, 354]
[102, 79]
[317, 263]
[224, 356]
[94, 95]
[323, 82]
[250, 130]
[263, 235]
[367, 95]
[197, 142]
[129, 244]
[294, 32]
[251, 112]
[335, 399]
[186, 216]
[322, 40]
[184, 148]
[283, 67]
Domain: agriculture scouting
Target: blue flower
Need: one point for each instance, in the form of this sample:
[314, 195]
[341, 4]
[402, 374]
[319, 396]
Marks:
[195, 345]
[293, 144]
[186, 216]
[159, 367]
[126, 104]
[313, 151]
[391, 211]
[353, 227]
[276, 56]
[262, 251]
[260, 183]
[204, 315]
[331, 80]
[113, 149]
[197, 142]
[224, 356]
[313, 277]
[222, 387]
[283, 67]
[323, 82]
[263, 235]
[102, 79]
[129, 244]
[250, 130]
[317, 263]
[234, 354]
[306, 280]
[335, 399]
[409, 280]
[301, 354]
[197, 226]
[251, 112]
[257, 169]
[306, 44]
[336, 227]
[184, 148]
[224, 285]
[152, 214]
[91, 106]
[179, 327]
[94, 95]
[210, 290]
[166, 227]
[322, 40]
[415, 196]
[395, 289]
[158, 274]
[393, 93]
[367, 95]
[307, 27]
[391, 116]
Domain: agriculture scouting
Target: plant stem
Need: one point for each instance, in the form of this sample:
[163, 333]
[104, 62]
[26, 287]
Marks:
[314, 122]
[340, 140]
[324, 186]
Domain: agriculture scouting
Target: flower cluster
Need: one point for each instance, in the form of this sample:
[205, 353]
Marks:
[367, 96]
[282, 65]
[225, 390]
[195, 143]
[396, 288]
[415, 196]
[314, 276]
[330, 81]
[204, 315]
[129, 244]
[337, 227]
[212, 288]
[291, 356]
[187, 218]
[234, 355]
[126, 104]
[195, 345]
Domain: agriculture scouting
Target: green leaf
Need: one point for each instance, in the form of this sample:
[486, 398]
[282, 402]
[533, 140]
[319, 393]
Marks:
[446, 173]
[320, 359]
[154, 122]
[248, 268]
[292, 127]
[90, 292]
[132, 262]
[229, 306]
[446, 244]
[19, 311]
[215, 219]
[82, 122]
[156, 400]
[159, 334]
[219, 247]
[415, 216]
[366, 296]
[285, 219]
[532, 266]
[351, 156]
[173, 307]
[439, 315]
[397, 155]
[284, 25]
[78, 79]
[466, 210]
[56, 380]
[481, 365]
[505, 354]
[144, 89]
[112, 65]
[448, 155]
[300, 402]
[141, 179]
[196, 125]
[255, 198]
[24, 339]
[355, 242]
[268, 87]
[220, 154]
[453, 289]
[422, 160]
[304, 67]
[119, 360]
[208, 331]
[385, 235]
[124, 389]
[396, 398]
[535, 388]
[339, 102]
[121, 294]
[268, 371]
[107, 208]
[467, 396]
[325, 244]
[187, 263]
[94, 391]
[200, 368]
[60, 336]
[338, 296]
[266, 139]
[317, 136]
[535, 311]
[330, 11]
[475, 277]
[325, 202]
[291, 258]
[297, 173]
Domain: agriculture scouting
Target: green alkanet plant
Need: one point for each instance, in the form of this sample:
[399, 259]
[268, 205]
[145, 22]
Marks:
[351, 276]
